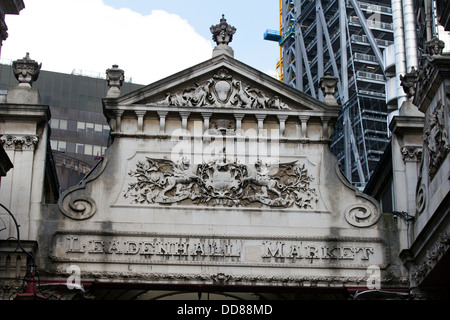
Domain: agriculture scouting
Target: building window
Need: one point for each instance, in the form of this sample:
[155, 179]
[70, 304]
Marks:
[63, 124]
[54, 144]
[97, 151]
[88, 149]
[98, 127]
[81, 126]
[89, 127]
[54, 123]
[62, 146]
[80, 148]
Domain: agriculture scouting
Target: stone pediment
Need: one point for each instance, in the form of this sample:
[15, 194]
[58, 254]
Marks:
[221, 82]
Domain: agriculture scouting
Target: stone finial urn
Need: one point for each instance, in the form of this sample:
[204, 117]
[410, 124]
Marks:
[222, 35]
[328, 85]
[115, 77]
[26, 71]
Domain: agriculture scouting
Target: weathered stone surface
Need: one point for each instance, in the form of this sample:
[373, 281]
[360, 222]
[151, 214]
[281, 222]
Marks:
[206, 184]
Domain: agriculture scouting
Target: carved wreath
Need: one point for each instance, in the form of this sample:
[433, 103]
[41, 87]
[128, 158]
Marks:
[221, 182]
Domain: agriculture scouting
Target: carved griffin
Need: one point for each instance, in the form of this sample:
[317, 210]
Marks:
[222, 181]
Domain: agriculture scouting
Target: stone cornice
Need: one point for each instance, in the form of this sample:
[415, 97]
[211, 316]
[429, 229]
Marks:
[18, 111]
[434, 71]
[407, 124]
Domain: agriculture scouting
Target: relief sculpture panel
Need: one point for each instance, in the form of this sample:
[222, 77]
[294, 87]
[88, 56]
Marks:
[222, 181]
[223, 91]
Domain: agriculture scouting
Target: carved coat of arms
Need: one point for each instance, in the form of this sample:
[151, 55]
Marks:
[225, 92]
[221, 181]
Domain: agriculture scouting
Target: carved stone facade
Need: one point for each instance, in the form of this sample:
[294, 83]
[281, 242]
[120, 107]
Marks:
[224, 92]
[222, 167]
[221, 181]
[218, 175]
[436, 138]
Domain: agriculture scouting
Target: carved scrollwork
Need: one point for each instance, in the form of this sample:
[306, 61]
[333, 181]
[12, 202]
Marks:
[222, 182]
[421, 198]
[224, 92]
[74, 203]
[361, 216]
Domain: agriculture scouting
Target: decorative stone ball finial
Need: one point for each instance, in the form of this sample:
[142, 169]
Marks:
[114, 77]
[328, 85]
[26, 71]
[222, 34]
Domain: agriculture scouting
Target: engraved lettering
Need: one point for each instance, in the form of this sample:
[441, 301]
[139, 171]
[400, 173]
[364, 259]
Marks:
[182, 248]
[113, 248]
[330, 252]
[97, 246]
[270, 251]
[295, 252]
[347, 253]
[312, 252]
[131, 247]
[74, 245]
[185, 250]
[147, 248]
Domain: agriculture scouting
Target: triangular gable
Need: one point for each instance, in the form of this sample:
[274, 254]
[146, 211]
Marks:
[223, 82]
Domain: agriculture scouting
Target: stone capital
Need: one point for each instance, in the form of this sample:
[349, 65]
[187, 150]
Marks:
[411, 153]
[19, 142]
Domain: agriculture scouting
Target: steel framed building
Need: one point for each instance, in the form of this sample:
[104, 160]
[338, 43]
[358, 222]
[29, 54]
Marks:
[345, 38]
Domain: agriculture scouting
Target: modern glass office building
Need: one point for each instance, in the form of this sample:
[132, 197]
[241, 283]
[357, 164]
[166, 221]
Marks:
[345, 38]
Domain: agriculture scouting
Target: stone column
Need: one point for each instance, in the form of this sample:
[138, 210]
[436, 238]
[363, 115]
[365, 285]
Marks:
[162, 121]
[25, 135]
[206, 116]
[406, 139]
[303, 124]
[282, 118]
[260, 118]
[184, 117]
[140, 115]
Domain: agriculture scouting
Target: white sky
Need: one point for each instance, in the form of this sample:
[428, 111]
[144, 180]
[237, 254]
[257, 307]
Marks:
[65, 35]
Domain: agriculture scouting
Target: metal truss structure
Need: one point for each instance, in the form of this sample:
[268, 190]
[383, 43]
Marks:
[345, 38]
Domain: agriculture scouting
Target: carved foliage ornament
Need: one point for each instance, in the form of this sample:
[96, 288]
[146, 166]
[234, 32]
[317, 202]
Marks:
[411, 153]
[224, 92]
[17, 142]
[433, 256]
[436, 139]
[222, 182]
